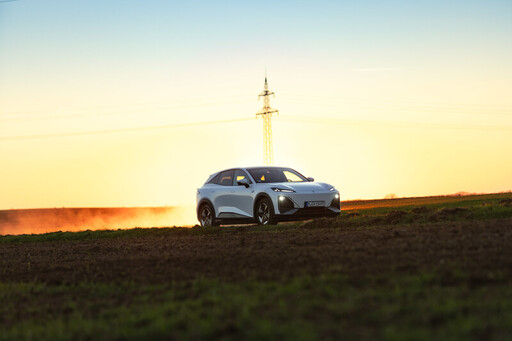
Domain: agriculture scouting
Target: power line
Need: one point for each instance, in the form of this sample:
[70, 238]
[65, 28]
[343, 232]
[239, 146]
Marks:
[394, 124]
[398, 106]
[135, 107]
[121, 130]
[298, 119]
[401, 101]
[55, 115]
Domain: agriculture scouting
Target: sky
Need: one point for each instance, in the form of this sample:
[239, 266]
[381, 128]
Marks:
[136, 103]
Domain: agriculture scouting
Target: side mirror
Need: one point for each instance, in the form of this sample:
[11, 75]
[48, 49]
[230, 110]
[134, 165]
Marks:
[310, 179]
[243, 182]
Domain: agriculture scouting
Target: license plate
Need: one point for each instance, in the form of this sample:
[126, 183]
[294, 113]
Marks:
[314, 204]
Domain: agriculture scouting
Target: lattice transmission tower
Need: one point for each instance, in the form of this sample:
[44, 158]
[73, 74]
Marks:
[266, 113]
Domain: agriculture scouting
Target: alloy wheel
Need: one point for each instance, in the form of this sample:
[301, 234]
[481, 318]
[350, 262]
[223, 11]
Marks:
[206, 216]
[263, 213]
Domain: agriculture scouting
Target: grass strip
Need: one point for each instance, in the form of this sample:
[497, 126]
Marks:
[422, 307]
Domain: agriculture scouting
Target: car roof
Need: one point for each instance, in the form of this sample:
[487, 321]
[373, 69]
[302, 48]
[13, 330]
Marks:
[252, 167]
[258, 167]
[243, 168]
[247, 169]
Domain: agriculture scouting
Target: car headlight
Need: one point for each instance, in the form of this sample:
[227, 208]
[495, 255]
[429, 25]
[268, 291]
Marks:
[283, 190]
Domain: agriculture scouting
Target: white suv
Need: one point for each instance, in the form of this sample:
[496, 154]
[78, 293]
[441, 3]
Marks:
[264, 195]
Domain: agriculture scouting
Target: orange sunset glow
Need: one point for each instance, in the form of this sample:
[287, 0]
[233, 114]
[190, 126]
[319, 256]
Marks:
[137, 106]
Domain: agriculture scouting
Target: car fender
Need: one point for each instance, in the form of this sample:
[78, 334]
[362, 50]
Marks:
[258, 197]
[203, 201]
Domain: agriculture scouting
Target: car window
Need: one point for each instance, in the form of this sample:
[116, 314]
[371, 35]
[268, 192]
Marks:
[239, 175]
[226, 178]
[214, 179]
[274, 174]
[292, 177]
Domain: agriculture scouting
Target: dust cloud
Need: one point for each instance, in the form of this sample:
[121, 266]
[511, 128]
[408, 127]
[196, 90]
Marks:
[36, 221]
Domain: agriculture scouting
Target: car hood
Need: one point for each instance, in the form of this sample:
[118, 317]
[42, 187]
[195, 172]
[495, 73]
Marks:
[303, 187]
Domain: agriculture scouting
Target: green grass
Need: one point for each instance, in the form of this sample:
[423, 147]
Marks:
[439, 201]
[475, 208]
[424, 306]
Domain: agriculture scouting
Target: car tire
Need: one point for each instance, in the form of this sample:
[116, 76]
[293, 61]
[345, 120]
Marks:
[207, 216]
[264, 213]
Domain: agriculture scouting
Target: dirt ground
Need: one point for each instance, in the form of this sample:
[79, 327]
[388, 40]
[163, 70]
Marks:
[479, 248]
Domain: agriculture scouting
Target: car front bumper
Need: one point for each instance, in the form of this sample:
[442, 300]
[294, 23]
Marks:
[292, 206]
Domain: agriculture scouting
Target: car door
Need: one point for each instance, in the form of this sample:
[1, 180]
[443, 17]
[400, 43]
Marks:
[221, 201]
[242, 197]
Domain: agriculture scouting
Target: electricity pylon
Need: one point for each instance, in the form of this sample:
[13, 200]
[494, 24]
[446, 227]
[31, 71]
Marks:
[266, 113]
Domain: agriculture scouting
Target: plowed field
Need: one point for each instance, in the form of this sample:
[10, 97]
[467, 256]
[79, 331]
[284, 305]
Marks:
[438, 270]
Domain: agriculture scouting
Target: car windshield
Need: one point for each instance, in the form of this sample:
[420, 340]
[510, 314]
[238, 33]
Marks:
[270, 175]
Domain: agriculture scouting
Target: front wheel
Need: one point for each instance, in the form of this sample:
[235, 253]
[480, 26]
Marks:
[207, 216]
[265, 212]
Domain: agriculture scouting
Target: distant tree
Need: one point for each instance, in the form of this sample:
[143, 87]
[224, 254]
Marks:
[390, 196]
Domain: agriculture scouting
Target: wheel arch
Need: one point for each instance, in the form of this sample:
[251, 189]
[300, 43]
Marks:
[201, 203]
[258, 197]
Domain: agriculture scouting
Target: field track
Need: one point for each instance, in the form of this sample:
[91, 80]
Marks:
[238, 254]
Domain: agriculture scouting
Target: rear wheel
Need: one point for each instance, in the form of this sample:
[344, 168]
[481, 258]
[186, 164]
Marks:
[207, 216]
[265, 212]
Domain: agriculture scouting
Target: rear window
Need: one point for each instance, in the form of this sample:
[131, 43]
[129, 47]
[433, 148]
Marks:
[214, 179]
[225, 178]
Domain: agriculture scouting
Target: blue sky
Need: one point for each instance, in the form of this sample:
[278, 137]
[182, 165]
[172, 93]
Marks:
[399, 33]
